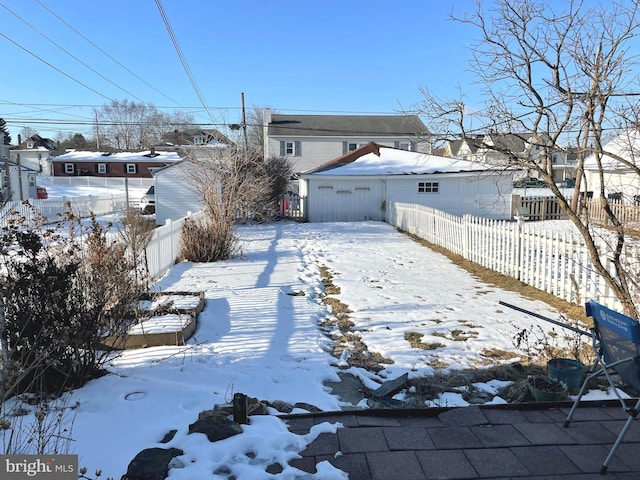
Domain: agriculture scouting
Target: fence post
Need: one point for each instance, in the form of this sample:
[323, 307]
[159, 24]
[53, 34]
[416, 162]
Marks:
[466, 232]
[518, 246]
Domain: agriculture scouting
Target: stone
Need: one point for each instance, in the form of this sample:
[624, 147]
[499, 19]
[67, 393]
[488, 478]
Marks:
[215, 425]
[168, 436]
[281, 406]
[308, 407]
[391, 387]
[151, 464]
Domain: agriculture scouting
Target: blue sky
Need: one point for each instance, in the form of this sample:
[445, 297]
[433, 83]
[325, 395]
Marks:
[295, 56]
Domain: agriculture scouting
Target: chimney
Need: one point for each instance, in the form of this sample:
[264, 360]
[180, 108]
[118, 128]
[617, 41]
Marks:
[153, 151]
[176, 139]
[19, 139]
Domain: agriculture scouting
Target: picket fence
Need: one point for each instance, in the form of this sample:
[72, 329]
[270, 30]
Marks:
[556, 262]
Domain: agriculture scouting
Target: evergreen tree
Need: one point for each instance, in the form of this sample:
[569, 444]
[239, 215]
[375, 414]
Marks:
[5, 138]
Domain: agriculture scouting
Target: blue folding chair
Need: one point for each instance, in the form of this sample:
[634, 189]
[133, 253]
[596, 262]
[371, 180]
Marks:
[616, 344]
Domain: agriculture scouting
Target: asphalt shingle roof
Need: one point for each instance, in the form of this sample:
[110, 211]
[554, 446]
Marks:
[346, 125]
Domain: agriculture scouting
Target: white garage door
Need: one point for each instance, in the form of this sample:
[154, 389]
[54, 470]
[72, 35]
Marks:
[346, 200]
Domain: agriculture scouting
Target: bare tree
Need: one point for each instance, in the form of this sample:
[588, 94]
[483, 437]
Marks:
[555, 75]
[239, 187]
[127, 125]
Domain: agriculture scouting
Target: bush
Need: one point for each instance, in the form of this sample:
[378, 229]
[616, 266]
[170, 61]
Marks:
[59, 295]
[204, 240]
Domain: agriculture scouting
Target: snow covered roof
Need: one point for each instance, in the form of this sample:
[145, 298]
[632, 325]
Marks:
[373, 159]
[625, 145]
[122, 157]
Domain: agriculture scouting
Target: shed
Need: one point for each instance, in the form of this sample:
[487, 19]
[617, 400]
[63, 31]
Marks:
[176, 193]
[360, 185]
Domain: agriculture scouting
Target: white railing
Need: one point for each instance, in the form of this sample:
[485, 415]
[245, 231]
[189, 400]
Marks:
[163, 249]
[90, 181]
[555, 262]
[53, 209]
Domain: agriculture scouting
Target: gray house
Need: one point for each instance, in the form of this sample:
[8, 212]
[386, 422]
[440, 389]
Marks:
[312, 140]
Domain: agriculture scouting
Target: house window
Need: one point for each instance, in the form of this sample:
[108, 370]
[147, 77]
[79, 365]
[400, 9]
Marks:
[352, 147]
[288, 148]
[32, 181]
[69, 168]
[428, 187]
[102, 168]
[30, 144]
[131, 168]
[404, 146]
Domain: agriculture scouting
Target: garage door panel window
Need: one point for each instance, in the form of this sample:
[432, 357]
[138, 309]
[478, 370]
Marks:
[428, 187]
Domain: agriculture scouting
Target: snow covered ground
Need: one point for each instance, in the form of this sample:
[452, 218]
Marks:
[258, 334]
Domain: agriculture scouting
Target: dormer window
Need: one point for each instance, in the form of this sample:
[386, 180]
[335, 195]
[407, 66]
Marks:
[31, 144]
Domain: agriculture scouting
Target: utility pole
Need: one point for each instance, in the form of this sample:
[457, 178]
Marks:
[244, 124]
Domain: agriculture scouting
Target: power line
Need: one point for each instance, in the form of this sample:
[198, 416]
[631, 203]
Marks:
[105, 53]
[68, 53]
[54, 67]
[182, 58]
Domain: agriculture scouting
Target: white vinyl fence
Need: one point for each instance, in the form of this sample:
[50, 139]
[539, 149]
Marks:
[555, 262]
[54, 209]
[162, 251]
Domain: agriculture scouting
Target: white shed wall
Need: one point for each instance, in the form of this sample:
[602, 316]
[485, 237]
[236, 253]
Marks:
[176, 195]
[484, 195]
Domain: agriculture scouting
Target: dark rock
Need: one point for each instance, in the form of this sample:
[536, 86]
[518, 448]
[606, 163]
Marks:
[281, 406]
[223, 470]
[275, 468]
[151, 464]
[256, 407]
[168, 436]
[215, 425]
[390, 388]
[308, 407]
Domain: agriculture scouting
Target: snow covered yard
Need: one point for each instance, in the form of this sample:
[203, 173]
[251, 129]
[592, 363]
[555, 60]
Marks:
[259, 334]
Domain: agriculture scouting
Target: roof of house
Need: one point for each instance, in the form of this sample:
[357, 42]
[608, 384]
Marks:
[346, 125]
[374, 159]
[626, 145]
[38, 141]
[123, 157]
[186, 137]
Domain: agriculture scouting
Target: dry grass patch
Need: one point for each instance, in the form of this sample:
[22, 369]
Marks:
[415, 340]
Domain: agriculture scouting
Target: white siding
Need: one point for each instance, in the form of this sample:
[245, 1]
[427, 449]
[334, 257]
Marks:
[340, 199]
[486, 195]
[176, 195]
[628, 183]
[319, 150]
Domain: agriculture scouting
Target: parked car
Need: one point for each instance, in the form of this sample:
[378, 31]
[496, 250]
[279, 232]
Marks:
[148, 201]
[529, 182]
[41, 193]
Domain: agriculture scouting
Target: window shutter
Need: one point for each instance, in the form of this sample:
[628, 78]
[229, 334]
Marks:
[282, 148]
[298, 148]
[345, 147]
[106, 168]
[396, 144]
